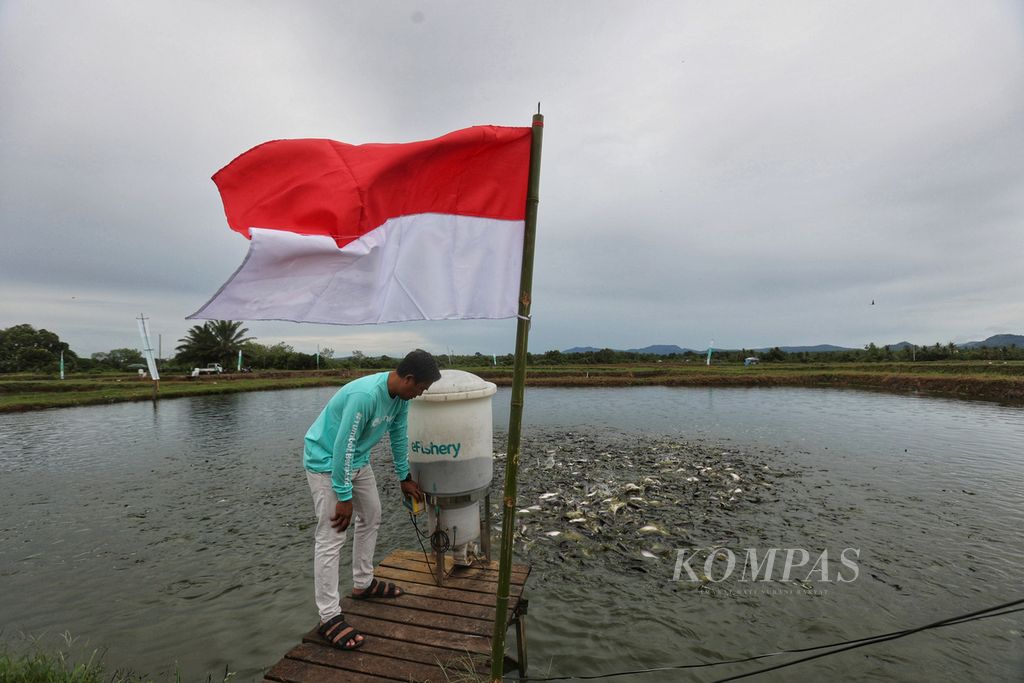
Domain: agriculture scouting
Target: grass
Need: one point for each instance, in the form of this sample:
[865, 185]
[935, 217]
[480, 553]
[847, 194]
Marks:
[18, 395]
[466, 668]
[33, 662]
[997, 381]
[38, 666]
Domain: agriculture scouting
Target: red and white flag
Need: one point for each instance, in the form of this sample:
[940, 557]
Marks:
[358, 234]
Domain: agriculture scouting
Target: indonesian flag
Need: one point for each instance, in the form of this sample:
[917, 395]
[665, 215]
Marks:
[358, 234]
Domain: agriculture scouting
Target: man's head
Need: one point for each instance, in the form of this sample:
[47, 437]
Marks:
[414, 375]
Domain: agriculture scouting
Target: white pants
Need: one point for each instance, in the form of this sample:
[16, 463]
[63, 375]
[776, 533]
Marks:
[328, 541]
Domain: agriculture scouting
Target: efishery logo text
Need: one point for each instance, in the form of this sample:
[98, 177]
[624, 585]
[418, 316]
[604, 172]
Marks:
[432, 448]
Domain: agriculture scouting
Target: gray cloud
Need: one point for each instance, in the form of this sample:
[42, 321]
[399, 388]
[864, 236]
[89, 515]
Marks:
[752, 174]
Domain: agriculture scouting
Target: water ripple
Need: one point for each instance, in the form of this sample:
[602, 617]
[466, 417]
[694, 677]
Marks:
[197, 510]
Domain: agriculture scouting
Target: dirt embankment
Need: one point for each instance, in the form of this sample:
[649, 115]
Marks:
[36, 394]
[1010, 390]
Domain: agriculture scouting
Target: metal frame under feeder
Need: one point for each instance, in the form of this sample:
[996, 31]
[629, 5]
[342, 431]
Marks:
[440, 503]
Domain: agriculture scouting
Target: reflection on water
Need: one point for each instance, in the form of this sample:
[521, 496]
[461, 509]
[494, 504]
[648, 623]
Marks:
[179, 534]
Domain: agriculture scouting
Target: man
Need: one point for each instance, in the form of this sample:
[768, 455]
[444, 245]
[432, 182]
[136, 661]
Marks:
[337, 462]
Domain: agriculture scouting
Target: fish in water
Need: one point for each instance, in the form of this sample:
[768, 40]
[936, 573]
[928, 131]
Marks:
[642, 499]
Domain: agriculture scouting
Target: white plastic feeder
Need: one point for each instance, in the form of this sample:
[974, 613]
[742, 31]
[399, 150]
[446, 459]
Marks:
[451, 456]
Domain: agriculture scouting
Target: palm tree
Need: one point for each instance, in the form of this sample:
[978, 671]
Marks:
[216, 341]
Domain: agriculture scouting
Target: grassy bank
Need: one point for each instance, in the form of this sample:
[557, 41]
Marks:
[969, 380]
[35, 394]
[62, 660]
[966, 379]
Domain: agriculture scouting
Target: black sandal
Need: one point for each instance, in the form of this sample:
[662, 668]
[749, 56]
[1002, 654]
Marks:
[379, 589]
[339, 633]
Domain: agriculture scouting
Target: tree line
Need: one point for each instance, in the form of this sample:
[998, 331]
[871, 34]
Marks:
[869, 354]
[26, 349]
[23, 348]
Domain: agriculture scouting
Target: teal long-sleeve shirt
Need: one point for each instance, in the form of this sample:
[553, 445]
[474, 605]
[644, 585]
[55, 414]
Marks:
[352, 423]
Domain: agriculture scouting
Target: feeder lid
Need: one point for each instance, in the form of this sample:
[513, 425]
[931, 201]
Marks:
[457, 385]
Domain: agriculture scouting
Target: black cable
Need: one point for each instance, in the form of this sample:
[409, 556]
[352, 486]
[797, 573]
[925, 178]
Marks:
[419, 537]
[439, 541]
[986, 613]
[881, 639]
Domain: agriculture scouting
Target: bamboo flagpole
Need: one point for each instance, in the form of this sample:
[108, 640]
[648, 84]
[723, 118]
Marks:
[515, 418]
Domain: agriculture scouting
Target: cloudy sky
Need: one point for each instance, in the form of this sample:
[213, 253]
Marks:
[754, 173]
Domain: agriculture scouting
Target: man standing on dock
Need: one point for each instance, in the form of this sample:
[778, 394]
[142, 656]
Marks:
[337, 462]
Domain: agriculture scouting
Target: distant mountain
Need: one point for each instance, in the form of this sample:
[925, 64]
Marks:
[996, 341]
[656, 349]
[660, 349]
[820, 348]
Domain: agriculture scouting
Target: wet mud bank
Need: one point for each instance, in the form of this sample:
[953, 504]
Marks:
[1001, 389]
[21, 396]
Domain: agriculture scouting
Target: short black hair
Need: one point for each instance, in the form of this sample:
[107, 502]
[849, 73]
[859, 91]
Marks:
[421, 365]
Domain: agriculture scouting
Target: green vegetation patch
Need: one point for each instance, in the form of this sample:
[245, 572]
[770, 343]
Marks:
[64, 394]
[38, 660]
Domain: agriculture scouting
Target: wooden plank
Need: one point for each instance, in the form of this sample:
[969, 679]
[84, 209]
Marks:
[520, 569]
[363, 661]
[429, 590]
[297, 671]
[426, 579]
[473, 573]
[430, 634]
[402, 651]
[475, 584]
[427, 604]
[493, 565]
[401, 558]
[419, 634]
[405, 615]
[472, 585]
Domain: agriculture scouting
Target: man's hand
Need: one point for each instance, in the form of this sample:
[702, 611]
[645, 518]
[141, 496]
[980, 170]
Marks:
[411, 488]
[342, 515]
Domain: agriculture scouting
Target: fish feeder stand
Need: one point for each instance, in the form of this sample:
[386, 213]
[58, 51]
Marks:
[451, 456]
[438, 503]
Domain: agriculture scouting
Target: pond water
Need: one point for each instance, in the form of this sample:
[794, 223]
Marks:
[178, 536]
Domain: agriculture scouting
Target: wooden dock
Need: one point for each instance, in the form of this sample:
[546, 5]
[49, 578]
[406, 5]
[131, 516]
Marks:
[431, 634]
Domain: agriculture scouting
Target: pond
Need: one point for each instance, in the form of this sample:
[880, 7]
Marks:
[178, 536]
